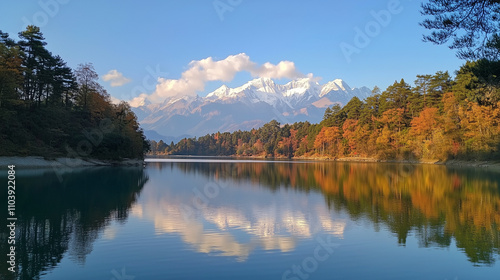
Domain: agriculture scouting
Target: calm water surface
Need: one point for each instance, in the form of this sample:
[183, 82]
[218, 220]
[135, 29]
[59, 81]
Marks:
[228, 219]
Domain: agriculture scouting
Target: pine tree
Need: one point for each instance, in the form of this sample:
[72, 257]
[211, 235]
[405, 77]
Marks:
[35, 57]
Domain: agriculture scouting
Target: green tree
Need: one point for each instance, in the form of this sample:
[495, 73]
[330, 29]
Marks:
[478, 82]
[268, 134]
[353, 108]
[335, 117]
[11, 71]
[430, 90]
[440, 83]
[422, 89]
[370, 109]
[64, 83]
[30, 75]
[397, 96]
[35, 57]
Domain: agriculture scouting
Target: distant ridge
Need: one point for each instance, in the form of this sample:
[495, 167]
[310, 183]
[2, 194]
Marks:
[249, 106]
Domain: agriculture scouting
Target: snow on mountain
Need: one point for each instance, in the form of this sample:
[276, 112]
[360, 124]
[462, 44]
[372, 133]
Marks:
[335, 85]
[222, 92]
[248, 106]
[292, 94]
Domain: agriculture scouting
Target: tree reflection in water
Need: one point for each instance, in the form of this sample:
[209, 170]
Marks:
[437, 203]
[441, 206]
[54, 217]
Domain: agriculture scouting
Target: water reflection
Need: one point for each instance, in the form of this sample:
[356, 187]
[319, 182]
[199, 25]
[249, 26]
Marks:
[56, 218]
[236, 221]
[435, 203]
[265, 210]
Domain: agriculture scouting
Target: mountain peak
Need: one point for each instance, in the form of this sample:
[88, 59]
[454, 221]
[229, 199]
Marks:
[221, 92]
[301, 82]
[341, 84]
[263, 79]
[337, 85]
[261, 82]
[295, 91]
[254, 103]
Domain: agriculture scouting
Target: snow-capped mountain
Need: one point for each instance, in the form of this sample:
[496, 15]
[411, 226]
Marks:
[248, 106]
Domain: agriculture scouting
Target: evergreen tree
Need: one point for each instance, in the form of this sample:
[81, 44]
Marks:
[30, 76]
[473, 26]
[11, 71]
[35, 57]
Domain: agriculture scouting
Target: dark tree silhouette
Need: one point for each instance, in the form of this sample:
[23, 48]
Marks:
[74, 104]
[471, 25]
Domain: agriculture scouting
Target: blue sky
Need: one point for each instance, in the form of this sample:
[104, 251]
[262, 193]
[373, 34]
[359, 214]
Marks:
[144, 40]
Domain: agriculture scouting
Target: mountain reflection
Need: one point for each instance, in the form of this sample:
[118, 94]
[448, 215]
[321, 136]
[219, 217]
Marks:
[436, 203]
[231, 225]
[251, 207]
[55, 217]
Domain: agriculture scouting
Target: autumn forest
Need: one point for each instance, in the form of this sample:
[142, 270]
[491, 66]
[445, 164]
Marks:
[439, 118]
[48, 109]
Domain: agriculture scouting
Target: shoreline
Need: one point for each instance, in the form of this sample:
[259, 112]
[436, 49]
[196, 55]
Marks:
[41, 162]
[451, 163]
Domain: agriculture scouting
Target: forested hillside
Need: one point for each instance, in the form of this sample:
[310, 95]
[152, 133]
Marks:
[48, 109]
[439, 118]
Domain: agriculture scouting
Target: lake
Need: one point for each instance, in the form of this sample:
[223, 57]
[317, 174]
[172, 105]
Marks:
[255, 219]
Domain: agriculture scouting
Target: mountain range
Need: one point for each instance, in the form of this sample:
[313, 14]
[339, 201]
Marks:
[243, 108]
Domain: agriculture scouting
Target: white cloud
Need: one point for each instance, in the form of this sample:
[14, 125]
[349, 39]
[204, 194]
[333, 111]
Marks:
[116, 78]
[201, 71]
[109, 233]
[139, 100]
[284, 69]
[115, 100]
